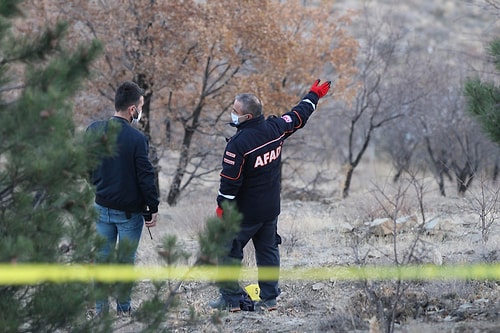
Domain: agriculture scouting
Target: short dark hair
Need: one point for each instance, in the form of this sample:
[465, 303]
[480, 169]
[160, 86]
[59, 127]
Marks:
[127, 94]
[250, 104]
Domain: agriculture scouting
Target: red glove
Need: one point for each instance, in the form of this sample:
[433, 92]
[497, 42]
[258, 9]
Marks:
[322, 89]
[219, 212]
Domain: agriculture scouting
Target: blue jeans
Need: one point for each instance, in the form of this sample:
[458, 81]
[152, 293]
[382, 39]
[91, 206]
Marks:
[115, 228]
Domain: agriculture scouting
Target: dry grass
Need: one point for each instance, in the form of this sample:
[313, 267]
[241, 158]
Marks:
[316, 234]
[320, 233]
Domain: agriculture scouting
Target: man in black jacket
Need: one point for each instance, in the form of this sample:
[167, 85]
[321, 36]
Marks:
[250, 177]
[125, 187]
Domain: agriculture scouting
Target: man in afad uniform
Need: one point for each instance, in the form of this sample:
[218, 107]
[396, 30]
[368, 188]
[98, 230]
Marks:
[250, 177]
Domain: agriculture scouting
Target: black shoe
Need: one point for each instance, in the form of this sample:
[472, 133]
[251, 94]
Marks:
[124, 314]
[268, 305]
[222, 304]
[93, 314]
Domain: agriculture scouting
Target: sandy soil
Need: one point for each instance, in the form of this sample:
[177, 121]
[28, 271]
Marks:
[321, 234]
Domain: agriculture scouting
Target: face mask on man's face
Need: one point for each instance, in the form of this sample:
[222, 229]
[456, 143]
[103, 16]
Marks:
[235, 118]
[135, 120]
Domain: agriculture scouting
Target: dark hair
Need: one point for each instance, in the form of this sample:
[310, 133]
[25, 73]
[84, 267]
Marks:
[250, 104]
[127, 94]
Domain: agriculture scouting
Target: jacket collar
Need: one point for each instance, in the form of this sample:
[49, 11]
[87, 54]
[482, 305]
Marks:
[120, 119]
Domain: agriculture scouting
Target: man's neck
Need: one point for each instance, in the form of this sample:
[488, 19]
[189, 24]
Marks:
[121, 115]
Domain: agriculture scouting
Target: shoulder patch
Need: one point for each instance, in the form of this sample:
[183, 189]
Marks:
[287, 118]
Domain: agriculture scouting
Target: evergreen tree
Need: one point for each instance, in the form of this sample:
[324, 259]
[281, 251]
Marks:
[213, 240]
[483, 98]
[46, 213]
[46, 203]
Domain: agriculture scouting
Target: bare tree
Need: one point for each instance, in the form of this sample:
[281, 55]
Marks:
[382, 96]
[484, 203]
[387, 297]
[454, 145]
[193, 57]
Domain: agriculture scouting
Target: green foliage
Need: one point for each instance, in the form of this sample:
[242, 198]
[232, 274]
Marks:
[43, 162]
[46, 213]
[483, 99]
[171, 252]
[494, 52]
[213, 240]
[46, 203]
[152, 312]
[218, 234]
[8, 10]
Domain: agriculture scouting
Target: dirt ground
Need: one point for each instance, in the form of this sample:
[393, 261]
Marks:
[332, 232]
[322, 234]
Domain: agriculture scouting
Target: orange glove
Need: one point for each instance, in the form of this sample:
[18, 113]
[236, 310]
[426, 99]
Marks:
[219, 212]
[322, 89]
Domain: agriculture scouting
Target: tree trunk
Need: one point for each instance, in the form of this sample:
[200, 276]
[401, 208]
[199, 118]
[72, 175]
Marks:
[146, 128]
[495, 171]
[175, 187]
[464, 176]
[347, 182]
[155, 161]
[397, 175]
[146, 108]
[441, 184]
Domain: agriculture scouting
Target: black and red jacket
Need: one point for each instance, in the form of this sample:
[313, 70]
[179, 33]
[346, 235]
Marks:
[251, 165]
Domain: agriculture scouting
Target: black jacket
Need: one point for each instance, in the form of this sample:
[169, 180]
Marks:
[251, 165]
[126, 181]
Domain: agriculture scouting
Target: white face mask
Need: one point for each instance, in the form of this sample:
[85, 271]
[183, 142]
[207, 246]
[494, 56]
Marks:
[135, 121]
[235, 118]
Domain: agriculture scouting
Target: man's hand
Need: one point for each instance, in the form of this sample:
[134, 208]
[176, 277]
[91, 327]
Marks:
[322, 89]
[152, 223]
[219, 212]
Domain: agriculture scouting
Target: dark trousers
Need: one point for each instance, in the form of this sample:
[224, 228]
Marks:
[265, 240]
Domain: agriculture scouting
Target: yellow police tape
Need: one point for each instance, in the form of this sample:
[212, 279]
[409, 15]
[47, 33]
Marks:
[25, 274]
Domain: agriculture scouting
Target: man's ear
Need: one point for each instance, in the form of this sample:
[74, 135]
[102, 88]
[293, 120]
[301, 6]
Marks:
[130, 112]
